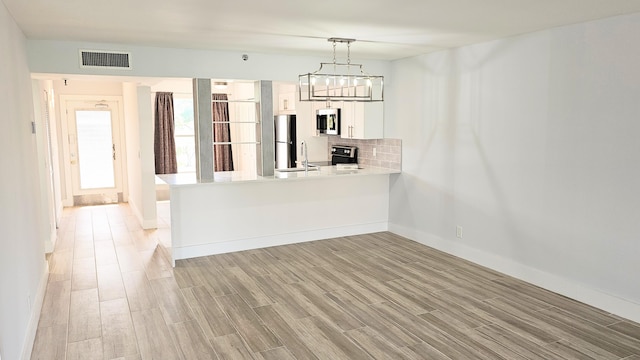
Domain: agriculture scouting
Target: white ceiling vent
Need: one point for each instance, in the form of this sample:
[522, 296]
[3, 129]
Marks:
[105, 59]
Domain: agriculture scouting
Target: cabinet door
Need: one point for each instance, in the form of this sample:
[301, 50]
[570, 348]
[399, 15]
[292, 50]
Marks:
[305, 119]
[287, 103]
[363, 120]
[347, 117]
[368, 121]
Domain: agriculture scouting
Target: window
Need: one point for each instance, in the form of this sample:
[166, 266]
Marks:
[184, 134]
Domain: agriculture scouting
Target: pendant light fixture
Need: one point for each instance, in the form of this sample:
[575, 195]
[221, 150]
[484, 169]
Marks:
[341, 81]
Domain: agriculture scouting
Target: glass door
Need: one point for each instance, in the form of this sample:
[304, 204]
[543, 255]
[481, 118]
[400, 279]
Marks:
[94, 149]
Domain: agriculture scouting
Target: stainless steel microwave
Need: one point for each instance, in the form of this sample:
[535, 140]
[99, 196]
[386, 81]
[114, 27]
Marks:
[328, 121]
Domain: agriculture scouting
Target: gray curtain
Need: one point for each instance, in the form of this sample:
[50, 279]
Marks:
[221, 133]
[163, 142]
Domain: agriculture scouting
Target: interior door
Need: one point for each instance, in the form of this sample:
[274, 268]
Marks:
[94, 151]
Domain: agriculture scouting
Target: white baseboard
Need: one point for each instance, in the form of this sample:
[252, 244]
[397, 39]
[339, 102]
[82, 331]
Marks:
[145, 223]
[551, 282]
[275, 240]
[136, 212]
[50, 243]
[150, 224]
[36, 308]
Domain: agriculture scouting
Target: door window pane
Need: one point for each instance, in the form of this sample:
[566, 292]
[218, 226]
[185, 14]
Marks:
[95, 149]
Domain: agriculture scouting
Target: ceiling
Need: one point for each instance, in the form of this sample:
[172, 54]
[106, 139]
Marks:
[384, 29]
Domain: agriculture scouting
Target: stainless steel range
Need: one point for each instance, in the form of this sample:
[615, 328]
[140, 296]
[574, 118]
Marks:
[341, 154]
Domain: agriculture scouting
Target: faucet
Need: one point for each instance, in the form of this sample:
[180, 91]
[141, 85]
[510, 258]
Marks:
[304, 151]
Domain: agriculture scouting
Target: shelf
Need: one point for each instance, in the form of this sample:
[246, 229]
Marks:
[235, 122]
[235, 101]
[237, 143]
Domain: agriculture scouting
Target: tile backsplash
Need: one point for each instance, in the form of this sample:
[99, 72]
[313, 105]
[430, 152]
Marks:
[388, 151]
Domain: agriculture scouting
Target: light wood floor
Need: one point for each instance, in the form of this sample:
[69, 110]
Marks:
[112, 295]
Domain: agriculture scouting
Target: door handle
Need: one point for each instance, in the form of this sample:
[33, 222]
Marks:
[114, 151]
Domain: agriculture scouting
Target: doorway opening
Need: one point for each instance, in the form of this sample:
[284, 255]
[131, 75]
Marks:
[93, 150]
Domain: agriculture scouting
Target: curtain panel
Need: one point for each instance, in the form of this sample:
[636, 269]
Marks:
[163, 141]
[223, 159]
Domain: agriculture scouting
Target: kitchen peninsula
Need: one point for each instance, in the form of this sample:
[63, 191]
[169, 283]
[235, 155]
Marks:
[238, 211]
[253, 206]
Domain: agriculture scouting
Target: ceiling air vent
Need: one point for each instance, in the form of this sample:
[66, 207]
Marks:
[105, 59]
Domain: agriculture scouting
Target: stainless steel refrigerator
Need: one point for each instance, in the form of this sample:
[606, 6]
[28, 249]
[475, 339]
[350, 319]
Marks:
[285, 136]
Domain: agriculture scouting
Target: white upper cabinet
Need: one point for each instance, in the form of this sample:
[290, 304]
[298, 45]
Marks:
[287, 103]
[284, 98]
[360, 120]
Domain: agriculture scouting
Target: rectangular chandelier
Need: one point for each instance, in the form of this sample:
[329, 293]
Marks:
[341, 81]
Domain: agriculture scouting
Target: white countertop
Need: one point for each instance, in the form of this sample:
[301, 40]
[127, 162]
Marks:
[236, 177]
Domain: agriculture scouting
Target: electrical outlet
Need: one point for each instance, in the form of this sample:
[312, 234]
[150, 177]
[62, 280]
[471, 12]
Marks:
[459, 231]
[374, 152]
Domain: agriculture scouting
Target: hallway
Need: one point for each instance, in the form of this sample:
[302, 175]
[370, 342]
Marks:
[101, 255]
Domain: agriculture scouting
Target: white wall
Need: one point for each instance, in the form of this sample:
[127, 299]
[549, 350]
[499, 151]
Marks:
[62, 57]
[147, 158]
[88, 86]
[132, 139]
[140, 159]
[22, 263]
[54, 129]
[45, 166]
[531, 144]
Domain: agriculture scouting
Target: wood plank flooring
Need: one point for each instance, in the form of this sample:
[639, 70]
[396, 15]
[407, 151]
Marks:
[112, 294]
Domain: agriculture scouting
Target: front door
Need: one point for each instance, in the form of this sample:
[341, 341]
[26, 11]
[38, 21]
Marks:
[94, 151]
